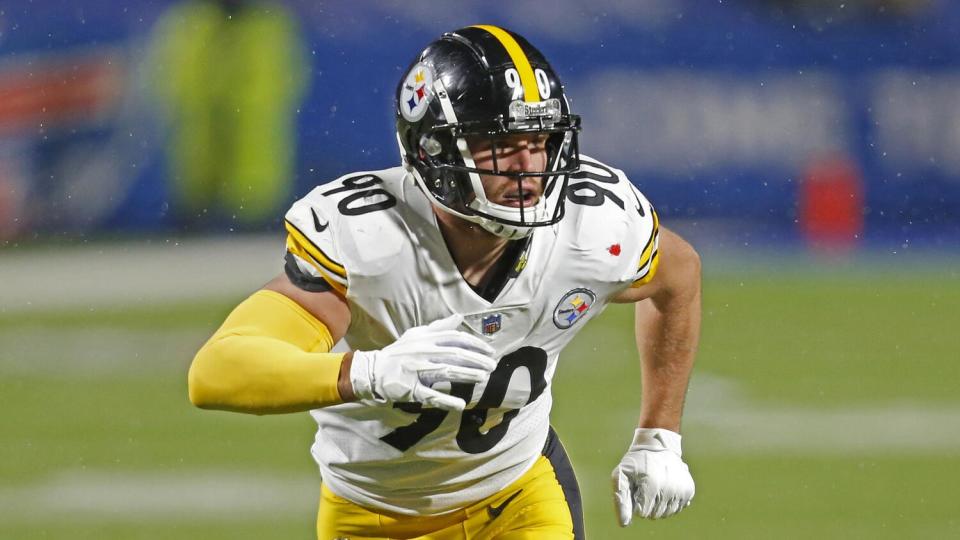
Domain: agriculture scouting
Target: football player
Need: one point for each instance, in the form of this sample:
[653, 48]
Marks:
[456, 279]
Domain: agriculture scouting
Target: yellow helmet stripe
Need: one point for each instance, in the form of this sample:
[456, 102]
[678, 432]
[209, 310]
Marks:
[530, 92]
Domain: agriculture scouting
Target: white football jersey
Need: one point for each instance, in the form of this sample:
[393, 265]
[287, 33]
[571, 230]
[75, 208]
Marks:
[374, 237]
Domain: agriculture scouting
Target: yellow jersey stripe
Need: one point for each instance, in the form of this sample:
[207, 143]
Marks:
[332, 279]
[648, 249]
[650, 273]
[301, 253]
[315, 252]
[530, 92]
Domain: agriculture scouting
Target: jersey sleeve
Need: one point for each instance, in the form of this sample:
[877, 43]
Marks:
[312, 261]
[647, 227]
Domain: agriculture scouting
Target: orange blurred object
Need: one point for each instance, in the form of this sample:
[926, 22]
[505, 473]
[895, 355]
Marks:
[831, 204]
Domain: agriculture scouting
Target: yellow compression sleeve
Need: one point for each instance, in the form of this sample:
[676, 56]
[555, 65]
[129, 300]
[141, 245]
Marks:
[269, 356]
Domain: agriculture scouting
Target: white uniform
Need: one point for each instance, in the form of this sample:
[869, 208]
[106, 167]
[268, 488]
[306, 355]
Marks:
[374, 236]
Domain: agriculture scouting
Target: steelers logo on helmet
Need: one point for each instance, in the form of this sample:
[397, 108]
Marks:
[416, 92]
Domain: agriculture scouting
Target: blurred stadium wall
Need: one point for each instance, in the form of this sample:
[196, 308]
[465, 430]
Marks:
[723, 112]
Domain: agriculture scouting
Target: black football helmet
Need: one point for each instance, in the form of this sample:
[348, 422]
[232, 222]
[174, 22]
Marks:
[484, 82]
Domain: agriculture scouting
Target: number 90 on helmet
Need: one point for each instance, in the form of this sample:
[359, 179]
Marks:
[476, 83]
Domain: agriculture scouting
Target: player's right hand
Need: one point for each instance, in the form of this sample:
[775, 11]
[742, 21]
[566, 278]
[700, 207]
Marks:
[405, 370]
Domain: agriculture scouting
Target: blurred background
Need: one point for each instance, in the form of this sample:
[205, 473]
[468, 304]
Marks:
[810, 149]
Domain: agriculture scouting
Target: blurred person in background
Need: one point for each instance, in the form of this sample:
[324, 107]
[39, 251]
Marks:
[229, 75]
[456, 279]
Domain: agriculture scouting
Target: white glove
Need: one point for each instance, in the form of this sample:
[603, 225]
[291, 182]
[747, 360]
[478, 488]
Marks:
[405, 370]
[652, 480]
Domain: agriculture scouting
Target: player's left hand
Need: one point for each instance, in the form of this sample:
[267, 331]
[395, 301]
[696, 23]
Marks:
[652, 481]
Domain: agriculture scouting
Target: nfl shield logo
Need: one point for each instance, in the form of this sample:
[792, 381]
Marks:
[491, 324]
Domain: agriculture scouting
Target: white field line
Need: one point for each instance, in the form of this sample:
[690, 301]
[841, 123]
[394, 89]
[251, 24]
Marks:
[720, 419]
[150, 271]
[98, 352]
[99, 495]
[101, 351]
[132, 273]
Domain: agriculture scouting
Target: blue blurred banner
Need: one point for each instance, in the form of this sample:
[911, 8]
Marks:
[722, 112]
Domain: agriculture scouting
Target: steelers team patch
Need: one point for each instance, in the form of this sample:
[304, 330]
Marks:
[416, 92]
[572, 307]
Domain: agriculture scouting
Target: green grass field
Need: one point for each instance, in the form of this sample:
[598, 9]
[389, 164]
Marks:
[825, 405]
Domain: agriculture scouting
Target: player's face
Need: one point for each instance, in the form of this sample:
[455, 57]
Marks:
[527, 152]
